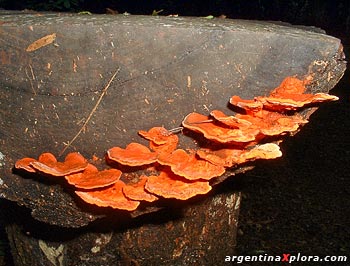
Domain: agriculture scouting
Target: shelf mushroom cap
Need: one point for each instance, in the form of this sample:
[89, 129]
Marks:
[159, 135]
[289, 95]
[25, 164]
[169, 185]
[135, 154]
[226, 157]
[137, 191]
[48, 164]
[229, 157]
[161, 140]
[231, 121]
[91, 178]
[290, 85]
[189, 166]
[267, 123]
[249, 105]
[214, 131]
[289, 102]
[112, 196]
[264, 151]
[273, 123]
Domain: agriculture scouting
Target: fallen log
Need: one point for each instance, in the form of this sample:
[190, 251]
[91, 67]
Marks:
[53, 81]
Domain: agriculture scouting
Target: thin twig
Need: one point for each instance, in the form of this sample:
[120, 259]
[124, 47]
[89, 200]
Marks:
[175, 130]
[92, 112]
[31, 83]
[202, 122]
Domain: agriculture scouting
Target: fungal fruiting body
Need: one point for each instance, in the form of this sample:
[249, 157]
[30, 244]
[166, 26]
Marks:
[169, 172]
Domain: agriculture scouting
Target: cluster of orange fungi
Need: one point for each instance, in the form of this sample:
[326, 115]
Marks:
[170, 172]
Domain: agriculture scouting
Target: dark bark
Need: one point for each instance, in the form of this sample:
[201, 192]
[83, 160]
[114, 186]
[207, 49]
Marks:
[200, 233]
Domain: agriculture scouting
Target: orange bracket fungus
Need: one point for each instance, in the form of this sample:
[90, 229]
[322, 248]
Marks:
[91, 178]
[47, 163]
[137, 191]
[221, 157]
[161, 140]
[251, 106]
[229, 157]
[134, 154]
[230, 141]
[263, 151]
[231, 121]
[169, 185]
[293, 102]
[218, 132]
[25, 164]
[189, 166]
[272, 123]
[109, 197]
[289, 95]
